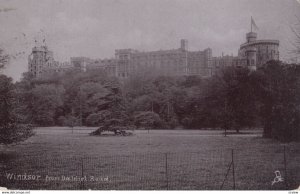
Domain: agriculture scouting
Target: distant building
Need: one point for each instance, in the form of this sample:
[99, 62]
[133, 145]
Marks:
[252, 54]
[218, 63]
[80, 62]
[107, 65]
[58, 68]
[166, 62]
[255, 53]
[225, 61]
[39, 60]
[175, 62]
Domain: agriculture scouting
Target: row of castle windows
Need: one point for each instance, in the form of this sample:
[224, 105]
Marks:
[152, 63]
[138, 57]
[160, 57]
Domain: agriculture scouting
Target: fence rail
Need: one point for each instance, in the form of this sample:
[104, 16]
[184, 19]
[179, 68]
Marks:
[220, 169]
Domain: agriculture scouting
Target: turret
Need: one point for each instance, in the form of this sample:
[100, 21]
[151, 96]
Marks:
[251, 36]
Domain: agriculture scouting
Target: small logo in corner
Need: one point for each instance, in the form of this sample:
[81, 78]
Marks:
[278, 177]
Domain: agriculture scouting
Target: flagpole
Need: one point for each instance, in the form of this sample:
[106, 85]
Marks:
[251, 23]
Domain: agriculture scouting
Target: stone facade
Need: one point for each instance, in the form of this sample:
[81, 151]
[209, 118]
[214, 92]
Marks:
[39, 60]
[218, 63]
[107, 65]
[252, 54]
[255, 53]
[176, 62]
[59, 68]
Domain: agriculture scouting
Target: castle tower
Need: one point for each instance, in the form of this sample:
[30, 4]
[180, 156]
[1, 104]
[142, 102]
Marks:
[36, 60]
[40, 59]
[256, 53]
[251, 58]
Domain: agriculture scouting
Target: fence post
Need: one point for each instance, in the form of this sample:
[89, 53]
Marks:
[82, 173]
[233, 175]
[228, 170]
[285, 172]
[166, 170]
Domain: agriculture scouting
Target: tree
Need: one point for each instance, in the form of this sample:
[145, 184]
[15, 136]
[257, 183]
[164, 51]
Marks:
[153, 93]
[10, 130]
[70, 121]
[230, 99]
[25, 98]
[281, 104]
[296, 43]
[113, 114]
[82, 93]
[90, 99]
[147, 120]
[46, 100]
[7, 101]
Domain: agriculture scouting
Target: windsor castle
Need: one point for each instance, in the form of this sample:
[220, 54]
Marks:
[176, 62]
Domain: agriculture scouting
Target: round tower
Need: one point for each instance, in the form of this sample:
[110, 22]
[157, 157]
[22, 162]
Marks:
[251, 58]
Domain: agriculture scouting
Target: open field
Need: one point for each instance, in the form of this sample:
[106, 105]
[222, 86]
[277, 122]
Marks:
[162, 159]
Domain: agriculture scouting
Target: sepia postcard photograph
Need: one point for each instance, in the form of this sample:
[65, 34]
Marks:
[139, 95]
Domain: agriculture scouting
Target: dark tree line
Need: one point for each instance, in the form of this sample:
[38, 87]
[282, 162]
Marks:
[12, 127]
[233, 99]
[280, 98]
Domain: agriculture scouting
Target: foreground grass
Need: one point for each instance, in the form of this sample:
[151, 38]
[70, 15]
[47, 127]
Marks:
[159, 160]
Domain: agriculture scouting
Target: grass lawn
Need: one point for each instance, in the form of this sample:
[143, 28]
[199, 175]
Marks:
[162, 159]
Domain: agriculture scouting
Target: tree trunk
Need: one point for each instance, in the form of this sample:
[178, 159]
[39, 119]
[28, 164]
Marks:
[267, 133]
[267, 129]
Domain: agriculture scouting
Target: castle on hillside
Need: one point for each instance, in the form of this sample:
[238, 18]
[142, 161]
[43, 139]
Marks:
[176, 62]
[255, 53]
[252, 54]
[39, 60]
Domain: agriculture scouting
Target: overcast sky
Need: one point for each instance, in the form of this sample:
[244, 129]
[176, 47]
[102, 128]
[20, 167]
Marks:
[95, 28]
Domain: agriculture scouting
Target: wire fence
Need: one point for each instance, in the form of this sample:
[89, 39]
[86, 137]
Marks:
[205, 170]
